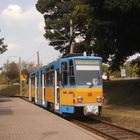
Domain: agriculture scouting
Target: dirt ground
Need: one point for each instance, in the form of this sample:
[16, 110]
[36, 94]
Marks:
[122, 103]
[125, 117]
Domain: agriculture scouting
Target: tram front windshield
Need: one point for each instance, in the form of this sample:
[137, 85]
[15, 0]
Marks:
[88, 71]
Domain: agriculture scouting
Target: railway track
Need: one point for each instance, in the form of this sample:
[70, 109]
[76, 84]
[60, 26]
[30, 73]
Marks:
[107, 130]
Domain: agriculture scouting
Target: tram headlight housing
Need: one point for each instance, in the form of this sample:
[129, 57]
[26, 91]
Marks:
[100, 99]
[80, 99]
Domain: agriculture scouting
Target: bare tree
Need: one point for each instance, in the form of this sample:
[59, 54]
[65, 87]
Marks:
[12, 72]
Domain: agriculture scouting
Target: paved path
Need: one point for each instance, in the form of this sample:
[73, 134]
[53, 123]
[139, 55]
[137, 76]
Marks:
[21, 120]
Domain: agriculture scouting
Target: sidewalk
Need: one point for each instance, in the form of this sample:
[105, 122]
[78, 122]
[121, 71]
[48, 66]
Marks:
[21, 120]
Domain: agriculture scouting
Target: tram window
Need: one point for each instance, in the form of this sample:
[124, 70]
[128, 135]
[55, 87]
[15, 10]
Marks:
[87, 71]
[52, 68]
[58, 77]
[33, 80]
[47, 79]
[51, 80]
[38, 78]
[41, 78]
[64, 73]
[71, 73]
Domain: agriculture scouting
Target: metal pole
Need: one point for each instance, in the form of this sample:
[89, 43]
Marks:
[20, 76]
[71, 35]
[38, 60]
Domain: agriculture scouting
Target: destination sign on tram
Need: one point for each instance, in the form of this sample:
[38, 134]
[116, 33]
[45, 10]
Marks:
[87, 62]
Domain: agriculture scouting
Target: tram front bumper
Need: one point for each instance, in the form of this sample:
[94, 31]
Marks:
[91, 110]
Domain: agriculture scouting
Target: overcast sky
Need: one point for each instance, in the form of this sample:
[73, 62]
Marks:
[22, 26]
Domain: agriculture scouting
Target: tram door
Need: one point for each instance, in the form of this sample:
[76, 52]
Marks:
[43, 89]
[57, 89]
[30, 89]
[36, 89]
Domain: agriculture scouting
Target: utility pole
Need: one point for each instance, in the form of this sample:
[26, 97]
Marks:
[38, 60]
[71, 37]
[20, 68]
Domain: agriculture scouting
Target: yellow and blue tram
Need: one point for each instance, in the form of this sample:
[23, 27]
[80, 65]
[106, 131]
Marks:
[69, 85]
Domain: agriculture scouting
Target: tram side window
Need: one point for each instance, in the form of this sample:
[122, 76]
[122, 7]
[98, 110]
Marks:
[64, 73]
[51, 75]
[51, 81]
[47, 78]
[71, 73]
[38, 79]
[33, 81]
[41, 78]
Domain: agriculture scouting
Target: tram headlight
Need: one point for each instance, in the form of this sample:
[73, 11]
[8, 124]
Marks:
[74, 100]
[100, 99]
[80, 99]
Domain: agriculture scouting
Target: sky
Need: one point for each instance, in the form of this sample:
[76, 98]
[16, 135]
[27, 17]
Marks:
[22, 26]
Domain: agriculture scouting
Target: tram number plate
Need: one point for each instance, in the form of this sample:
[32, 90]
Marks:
[90, 94]
[68, 92]
[65, 92]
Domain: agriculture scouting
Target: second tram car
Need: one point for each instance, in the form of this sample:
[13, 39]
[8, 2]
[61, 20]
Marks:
[69, 85]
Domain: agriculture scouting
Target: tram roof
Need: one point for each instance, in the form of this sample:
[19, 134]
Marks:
[56, 62]
[83, 57]
[74, 57]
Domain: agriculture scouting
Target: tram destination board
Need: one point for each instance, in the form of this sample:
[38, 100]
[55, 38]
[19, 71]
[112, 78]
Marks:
[87, 62]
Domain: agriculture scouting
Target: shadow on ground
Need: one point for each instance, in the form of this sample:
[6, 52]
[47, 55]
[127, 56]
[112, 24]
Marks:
[2, 99]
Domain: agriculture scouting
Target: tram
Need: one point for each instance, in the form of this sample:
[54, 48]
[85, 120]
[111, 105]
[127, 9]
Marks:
[69, 85]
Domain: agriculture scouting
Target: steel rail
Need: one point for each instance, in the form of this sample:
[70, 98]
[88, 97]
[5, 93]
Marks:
[108, 130]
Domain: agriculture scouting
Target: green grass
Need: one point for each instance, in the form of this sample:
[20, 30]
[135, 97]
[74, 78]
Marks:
[3, 79]
[12, 90]
[123, 93]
